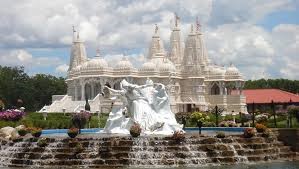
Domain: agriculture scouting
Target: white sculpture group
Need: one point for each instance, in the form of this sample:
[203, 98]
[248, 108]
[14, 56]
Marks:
[148, 105]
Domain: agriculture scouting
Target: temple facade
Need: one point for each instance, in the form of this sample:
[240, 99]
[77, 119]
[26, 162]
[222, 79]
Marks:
[193, 82]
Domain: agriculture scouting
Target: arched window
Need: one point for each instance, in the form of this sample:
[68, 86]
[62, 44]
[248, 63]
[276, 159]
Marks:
[117, 86]
[97, 89]
[215, 90]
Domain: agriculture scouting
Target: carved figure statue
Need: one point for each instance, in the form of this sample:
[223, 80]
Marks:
[148, 105]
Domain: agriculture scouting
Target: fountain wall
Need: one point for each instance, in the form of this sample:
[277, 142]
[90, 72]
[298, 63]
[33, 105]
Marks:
[143, 151]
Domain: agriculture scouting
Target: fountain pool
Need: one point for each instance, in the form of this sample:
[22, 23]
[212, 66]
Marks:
[205, 131]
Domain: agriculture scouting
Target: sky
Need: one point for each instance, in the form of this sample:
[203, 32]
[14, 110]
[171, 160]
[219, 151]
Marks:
[261, 38]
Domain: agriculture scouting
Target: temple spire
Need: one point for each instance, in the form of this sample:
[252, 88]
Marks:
[98, 53]
[78, 35]
[74, 33]
[191, 29]
[156, 29]
[177, 19]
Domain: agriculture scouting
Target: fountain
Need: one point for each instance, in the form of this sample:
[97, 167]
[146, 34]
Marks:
[118, 151]
[156, 147]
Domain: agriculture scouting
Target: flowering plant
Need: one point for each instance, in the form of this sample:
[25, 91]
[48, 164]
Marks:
[73, 132]
[199, 117]
[80, 119]
[228, 124]
[35, 131]
[267, 133]
[11, 115]
[220, 134]
[135, 130]
[178, 135]
[260, 128]
[249, 132]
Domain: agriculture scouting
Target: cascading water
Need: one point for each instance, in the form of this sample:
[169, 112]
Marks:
[143, 151]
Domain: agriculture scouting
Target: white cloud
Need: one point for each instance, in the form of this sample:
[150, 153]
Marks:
[62, 69]
[24, 58]
[118, 26]
[256, 51]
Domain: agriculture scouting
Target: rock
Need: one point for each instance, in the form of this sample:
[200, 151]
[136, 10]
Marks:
[9, 133]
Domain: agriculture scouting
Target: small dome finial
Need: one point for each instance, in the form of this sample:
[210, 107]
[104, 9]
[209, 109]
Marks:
[177, 18]
[156, 28]
[198, 25]
[98, 52]
[191, 28]
[74, 33]
[78, 35]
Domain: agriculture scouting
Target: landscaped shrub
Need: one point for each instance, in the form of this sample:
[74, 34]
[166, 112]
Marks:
[199, 117]
[249, 132]
[11, 115]
[261, 118]
[260, 128]
[54, 121]
[178, 135]
[22, 132]
[220, 134]
[267, 133]
[43, 142]
[73, 132]
[228, 124]
[35, 132]
[80, 119]
[79, 148]
[2, 105]
[209, 124]
[135, 130]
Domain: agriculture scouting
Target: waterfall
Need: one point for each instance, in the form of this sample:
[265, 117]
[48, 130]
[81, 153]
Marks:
[120, 151]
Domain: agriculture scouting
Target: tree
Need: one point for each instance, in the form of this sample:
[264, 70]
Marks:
[283, 84]
[45, 86]
[35, 91]
[14, 85]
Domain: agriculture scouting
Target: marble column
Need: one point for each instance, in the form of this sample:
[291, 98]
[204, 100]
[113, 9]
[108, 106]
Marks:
[76, 92]
[82, 92]
[92, 85]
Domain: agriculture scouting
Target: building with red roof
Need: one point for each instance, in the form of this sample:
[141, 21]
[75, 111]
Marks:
[263, 98]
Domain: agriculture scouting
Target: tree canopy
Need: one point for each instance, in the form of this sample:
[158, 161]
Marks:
[35, 91]
[283, 84]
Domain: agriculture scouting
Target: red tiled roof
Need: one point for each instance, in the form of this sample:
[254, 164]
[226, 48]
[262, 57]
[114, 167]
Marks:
[267, 95]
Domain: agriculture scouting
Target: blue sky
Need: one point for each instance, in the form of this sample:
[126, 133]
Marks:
[260, 37]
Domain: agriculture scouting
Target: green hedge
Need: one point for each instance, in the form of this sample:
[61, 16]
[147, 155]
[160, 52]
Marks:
[54, 121]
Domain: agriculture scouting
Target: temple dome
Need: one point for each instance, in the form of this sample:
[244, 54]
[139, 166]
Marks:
[94, 64]
[124, 63]
[232, 70]
[148, 66]
[166, 66]
[217, 71]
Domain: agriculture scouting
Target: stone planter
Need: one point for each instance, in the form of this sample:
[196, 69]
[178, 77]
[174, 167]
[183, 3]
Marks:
[72, 135]
[36, 134]
[134, 134]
